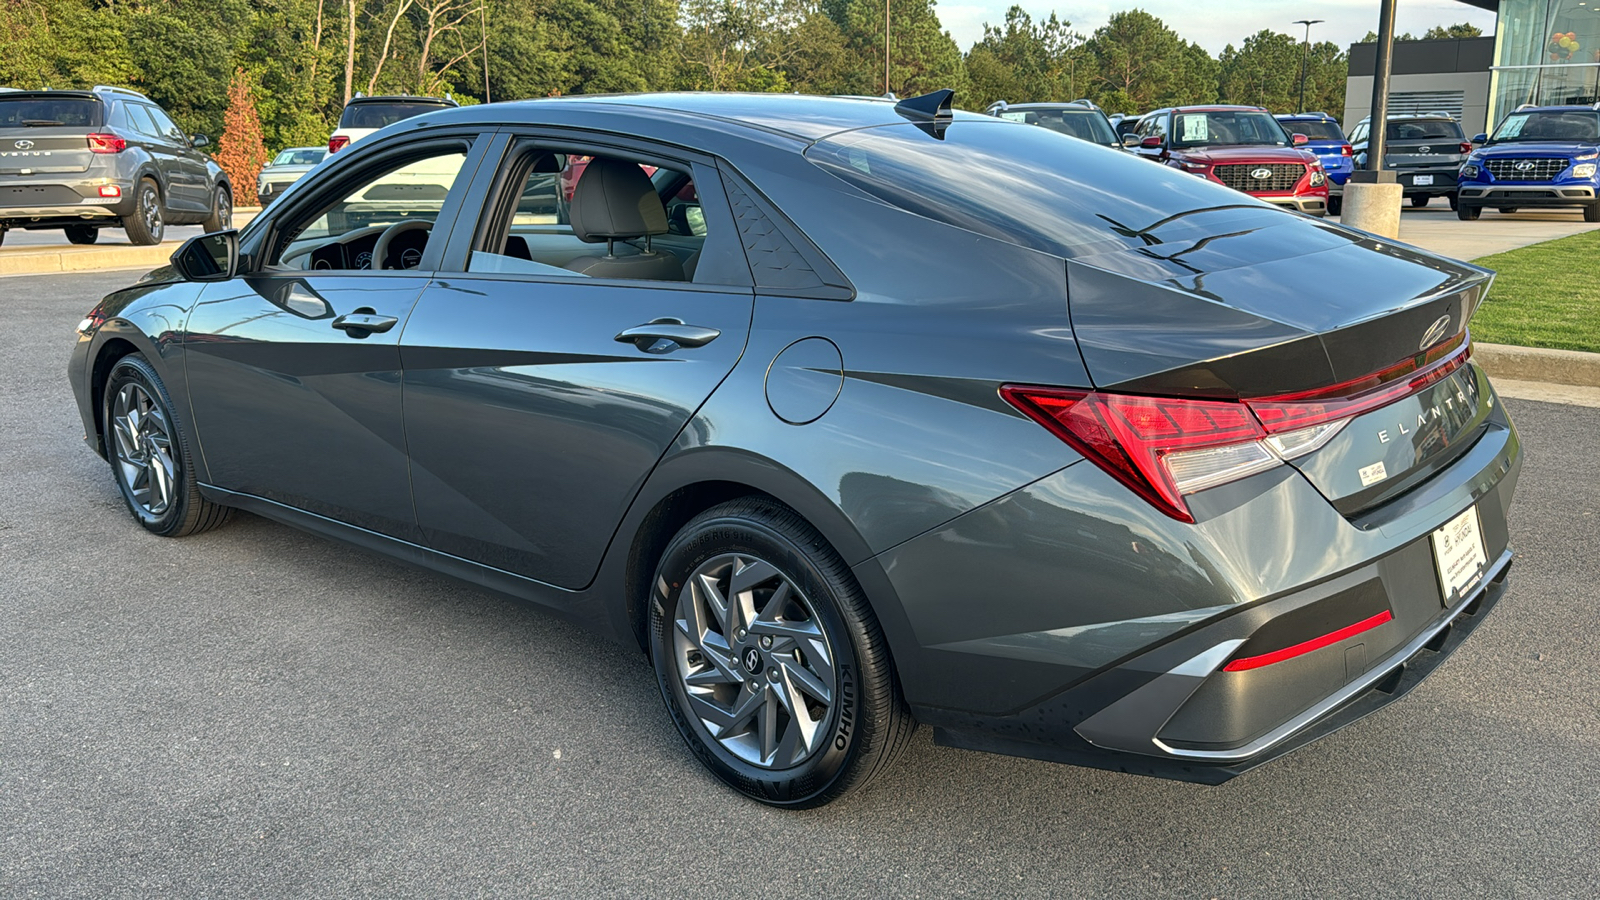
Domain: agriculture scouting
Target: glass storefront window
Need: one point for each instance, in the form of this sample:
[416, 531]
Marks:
[1548, 53]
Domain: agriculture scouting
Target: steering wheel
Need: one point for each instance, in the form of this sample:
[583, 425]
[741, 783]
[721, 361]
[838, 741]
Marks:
[380, 250]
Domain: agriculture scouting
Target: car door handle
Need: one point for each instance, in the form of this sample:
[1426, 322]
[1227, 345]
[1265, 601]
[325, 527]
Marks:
[363, 322]
[642, 336]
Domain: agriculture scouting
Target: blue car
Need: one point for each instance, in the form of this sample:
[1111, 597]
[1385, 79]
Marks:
[1330, 145]
[1540, 156]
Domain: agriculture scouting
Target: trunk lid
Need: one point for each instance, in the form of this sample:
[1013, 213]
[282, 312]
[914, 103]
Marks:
[1247, 303]
[44, 151]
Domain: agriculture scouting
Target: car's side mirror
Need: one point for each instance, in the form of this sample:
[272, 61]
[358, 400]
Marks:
[1130, 140]
[199, 140]
[1153, 142]
[687, 219]
[1480, 138]
[208, 257]
[1299, 139]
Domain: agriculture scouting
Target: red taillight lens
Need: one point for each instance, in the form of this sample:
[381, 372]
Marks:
[1346, 150]
[106, 143]
[1160, 447]
[1466, 146]
[110, 190]
[1333, 637]
[1291, 412]
[337, 142]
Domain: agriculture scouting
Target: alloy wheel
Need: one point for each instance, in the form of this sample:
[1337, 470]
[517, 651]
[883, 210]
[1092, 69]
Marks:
[142, 441]
[753, 661]
[224, 210]
[150, 208]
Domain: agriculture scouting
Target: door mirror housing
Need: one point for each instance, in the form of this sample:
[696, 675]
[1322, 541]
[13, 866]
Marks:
[199, 140]
[1130, 140]
[1299, 139]
[1153, 142]
[209, 257]
[1480, 138]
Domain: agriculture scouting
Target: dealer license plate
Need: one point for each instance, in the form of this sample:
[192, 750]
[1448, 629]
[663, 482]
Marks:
[1458, 551]
[1422, 180]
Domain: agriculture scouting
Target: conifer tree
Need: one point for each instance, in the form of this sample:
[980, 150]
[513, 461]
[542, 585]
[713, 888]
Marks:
[240, 151]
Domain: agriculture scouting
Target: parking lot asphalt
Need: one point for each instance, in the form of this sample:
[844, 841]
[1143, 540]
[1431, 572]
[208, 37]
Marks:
[256, 712]
[1436, 228]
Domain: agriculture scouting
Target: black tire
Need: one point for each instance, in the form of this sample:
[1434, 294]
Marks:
[1455, 202]
[1418, 201]
[1335, 206]
[147, 225]
[160, 439]
[82, 234]
[2, 235]
[865, 724]
[1507, 210]
[1468, 213]
[221, 218]
[1591, 213]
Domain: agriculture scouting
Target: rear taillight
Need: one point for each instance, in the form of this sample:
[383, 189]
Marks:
[1346, 150]
[338, 142]
[1164, 448]
[1160, 447]
[1466, 146]
[1298, 411]
[106, 143]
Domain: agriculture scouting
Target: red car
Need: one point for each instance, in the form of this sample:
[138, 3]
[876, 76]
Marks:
[1243, 147]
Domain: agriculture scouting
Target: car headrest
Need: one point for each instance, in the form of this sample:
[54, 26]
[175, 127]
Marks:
[615, 199]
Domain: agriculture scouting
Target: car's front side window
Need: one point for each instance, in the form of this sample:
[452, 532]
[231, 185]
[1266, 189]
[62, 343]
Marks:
[382, 223]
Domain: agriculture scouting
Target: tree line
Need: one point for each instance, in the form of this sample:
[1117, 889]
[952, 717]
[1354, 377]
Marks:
[305, 58]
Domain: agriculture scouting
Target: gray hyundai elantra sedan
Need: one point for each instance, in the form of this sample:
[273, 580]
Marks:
[851, 415]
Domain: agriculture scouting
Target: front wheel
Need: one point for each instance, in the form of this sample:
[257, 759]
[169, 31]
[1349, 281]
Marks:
[82, 234]
[149, 454]
[1418, 201]
[1468, 213]
[770, 660]
[1335, 205]
[1591, 213]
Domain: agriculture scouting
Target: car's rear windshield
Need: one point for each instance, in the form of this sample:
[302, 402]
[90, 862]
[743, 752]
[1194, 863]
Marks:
[1567, 125]
[1029, 186]
[49, 112]
[1316, 131]
[1226, 127]
[1425, 130]
[1079, 123]
[378, 115]
[299, 156]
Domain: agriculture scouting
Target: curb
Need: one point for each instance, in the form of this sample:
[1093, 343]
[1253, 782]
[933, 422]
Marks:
[1538, 364]
[81, 259]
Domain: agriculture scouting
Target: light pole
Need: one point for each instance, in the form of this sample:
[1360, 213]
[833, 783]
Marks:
[886, 47]
[1305, 50]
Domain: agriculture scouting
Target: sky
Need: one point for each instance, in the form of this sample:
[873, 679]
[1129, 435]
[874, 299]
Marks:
[1220, 23]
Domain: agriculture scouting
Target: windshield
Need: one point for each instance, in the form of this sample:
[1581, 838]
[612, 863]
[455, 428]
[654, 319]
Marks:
[1028, 186]
[1567, 125]
[1316, 131]
[1425, 130]
[300, 156]
[377, 115]
[1227, 127]
[1079, 123]
[36, 112]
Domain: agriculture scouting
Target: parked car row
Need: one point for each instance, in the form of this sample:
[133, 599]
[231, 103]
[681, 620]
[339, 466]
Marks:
[1541, 156]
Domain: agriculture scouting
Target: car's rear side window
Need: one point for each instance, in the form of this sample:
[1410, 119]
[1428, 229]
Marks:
[49, 112]
[1025, 185]
[378, 115]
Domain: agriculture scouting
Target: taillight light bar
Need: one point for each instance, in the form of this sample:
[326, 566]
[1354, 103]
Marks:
[106, 143]
[1466, 146]
[338, 142]
[1244, 664]
[1346, 150]
[1163, 448]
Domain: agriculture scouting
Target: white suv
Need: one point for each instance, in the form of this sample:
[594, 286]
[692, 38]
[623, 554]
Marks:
[364, 115]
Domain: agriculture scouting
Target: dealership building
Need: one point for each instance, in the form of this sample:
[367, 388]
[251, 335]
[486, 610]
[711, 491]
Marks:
[1545, 52]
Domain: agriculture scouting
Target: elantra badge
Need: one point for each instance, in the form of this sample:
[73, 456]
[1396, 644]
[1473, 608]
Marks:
[23, 145]
[1261, 173]
[1435, 333]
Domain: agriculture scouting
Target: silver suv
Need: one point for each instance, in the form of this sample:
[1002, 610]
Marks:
[104, 158]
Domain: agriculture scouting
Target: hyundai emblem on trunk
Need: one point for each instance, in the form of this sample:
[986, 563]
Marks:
[23, 145]
[1424, 149]
[1435, 333]
[1261, 173]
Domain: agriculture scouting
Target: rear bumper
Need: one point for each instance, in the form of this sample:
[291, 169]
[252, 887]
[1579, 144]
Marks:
[56, 200]
[1525, 195]
[1443, 181]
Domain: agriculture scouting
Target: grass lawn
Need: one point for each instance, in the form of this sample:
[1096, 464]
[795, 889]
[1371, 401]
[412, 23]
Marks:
[1546, 295]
